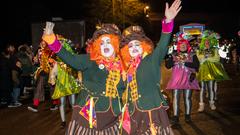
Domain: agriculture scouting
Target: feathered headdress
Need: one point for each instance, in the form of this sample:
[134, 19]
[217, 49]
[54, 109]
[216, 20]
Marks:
[211, 37]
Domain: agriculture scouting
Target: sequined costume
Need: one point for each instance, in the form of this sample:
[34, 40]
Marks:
[184, 65]
[181, 72]
[211, 69]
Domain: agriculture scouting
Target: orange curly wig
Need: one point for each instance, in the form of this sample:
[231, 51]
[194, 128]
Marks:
[124, 52]
[94, 49]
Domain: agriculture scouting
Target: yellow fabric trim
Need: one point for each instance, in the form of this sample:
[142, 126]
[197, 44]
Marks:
[134, 88]
[111, 83]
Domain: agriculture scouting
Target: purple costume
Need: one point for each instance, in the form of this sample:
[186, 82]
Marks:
[180, 78]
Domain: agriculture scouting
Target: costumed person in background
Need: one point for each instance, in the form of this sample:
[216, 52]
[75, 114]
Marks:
[223, 52]
[65, 81]
[98, 104]
[40, 75]
[52, 81]
[144, 110]
[184, 66]
[211, 69]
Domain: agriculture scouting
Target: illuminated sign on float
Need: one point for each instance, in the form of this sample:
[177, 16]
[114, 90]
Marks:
[192, 29]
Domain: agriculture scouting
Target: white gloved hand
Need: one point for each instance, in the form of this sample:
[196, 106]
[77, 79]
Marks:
[48, 30]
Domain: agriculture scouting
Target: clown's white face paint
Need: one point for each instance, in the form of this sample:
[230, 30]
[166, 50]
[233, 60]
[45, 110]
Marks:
[107, 49]
[135, 48]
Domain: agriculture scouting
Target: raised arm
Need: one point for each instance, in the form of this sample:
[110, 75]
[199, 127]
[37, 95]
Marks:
[78, 62]
[167, 27]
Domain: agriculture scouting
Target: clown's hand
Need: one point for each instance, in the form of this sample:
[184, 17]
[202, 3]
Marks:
[171, 13]
[49, 28]
[48, 34]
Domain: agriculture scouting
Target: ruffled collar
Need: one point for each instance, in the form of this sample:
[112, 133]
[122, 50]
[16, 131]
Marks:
[133, 65]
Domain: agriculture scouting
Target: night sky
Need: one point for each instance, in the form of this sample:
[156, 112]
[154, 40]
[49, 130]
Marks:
[17, 16]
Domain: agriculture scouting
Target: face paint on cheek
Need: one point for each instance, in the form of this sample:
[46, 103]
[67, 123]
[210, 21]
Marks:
[135, 48]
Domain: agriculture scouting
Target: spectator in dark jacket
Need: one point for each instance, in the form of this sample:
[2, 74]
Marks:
[27, 68]
[16, 73]
[6, 75]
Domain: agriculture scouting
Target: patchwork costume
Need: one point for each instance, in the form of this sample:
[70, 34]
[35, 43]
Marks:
[65, 81]
[145, 103]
